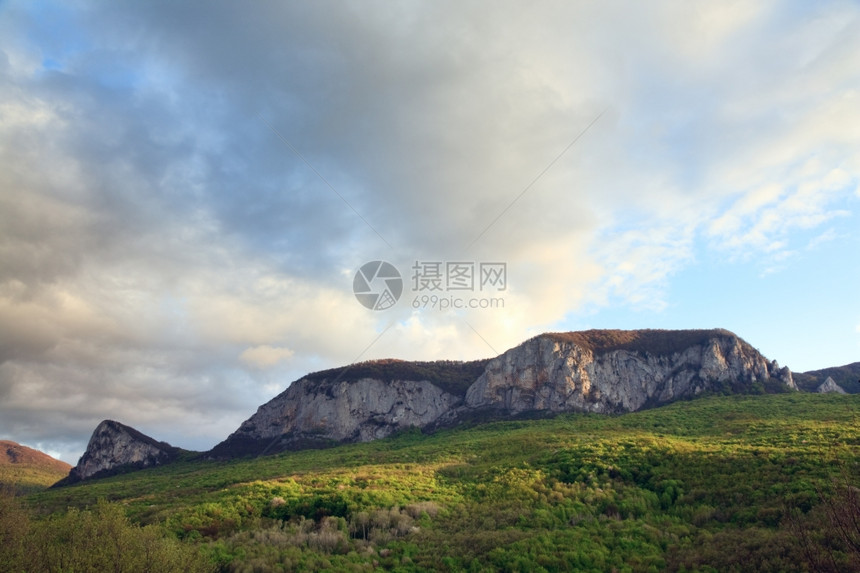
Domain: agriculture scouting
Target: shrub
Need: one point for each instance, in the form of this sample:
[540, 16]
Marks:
[101, 539]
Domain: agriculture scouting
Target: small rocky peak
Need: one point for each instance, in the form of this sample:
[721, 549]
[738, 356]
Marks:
[783, 374]
[829, 386]
[114, 448]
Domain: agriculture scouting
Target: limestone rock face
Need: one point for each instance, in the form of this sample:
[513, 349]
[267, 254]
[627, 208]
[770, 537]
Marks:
[114, 446]
[593, 371]
[338, 410]
[829, 386]
[572, 373]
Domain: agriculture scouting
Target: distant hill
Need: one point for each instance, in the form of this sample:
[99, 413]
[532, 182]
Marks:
[25, 470]
[848, 377]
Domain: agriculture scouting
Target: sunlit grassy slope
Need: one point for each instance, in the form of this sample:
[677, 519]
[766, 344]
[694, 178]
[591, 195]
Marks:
[24, 470]
[701, 484]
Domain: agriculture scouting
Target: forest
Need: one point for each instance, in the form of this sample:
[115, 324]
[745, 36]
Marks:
[720, 483]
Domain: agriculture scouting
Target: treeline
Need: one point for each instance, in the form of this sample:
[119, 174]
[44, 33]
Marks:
[363, 540]
[452, 376]
[91, 540]
[648, 341]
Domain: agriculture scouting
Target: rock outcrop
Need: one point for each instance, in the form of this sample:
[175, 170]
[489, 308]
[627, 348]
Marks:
[619, 371]
[605, 371]
[312, 413]
[829, 386]
[114, 448]
[846, 377]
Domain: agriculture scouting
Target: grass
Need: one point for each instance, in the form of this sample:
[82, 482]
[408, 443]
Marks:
[718, 483]
[24, 480]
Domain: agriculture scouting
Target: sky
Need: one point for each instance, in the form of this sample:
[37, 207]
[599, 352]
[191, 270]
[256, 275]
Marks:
[188, 191]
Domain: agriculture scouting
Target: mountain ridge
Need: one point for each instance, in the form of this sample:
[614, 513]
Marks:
[604, 371]
[847, 377]
[600, 371]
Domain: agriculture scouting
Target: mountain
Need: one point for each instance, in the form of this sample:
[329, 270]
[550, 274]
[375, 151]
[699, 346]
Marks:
[830, 387]
[847, 377]
[24, 469]
[602, 371]
[114, 448]
[361, 402]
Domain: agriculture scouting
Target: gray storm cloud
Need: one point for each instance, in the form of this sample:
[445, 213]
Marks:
[187, 188]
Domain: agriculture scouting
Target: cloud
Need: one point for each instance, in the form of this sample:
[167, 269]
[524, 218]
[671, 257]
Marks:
[264, 356]
[180, 183]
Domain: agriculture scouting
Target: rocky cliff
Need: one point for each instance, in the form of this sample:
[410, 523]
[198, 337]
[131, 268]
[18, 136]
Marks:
[604, 371]
[620, 371]
[357, 403]
[829, 386]
[114, 448]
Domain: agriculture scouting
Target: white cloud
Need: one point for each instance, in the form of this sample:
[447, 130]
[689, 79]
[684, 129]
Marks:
[265, 356]
[161, 249]
[638, 263]
[802, 194]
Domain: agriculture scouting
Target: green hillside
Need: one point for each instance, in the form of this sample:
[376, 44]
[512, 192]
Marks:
[25, 470]
[730, 483]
